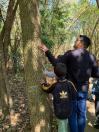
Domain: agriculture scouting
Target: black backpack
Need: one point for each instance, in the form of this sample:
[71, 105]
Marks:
[63, 95]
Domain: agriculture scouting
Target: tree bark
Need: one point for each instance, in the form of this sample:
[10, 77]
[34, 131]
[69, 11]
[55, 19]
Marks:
[4, 96]
[97, 3]
[4, 41]
[5, 33]
[37, 100]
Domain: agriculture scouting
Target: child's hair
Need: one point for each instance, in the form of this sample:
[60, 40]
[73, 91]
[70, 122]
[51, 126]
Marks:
[60, 69]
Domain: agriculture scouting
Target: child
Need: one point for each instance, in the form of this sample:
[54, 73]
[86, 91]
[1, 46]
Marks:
[64, 92]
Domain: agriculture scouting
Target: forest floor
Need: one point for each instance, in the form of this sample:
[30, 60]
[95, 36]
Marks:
[19, 116]
[19, 109]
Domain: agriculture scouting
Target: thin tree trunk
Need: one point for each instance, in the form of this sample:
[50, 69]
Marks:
[5, 33]
[96, 24]
[97, 3]
[4, 96]
[37, 100]
[4, 41]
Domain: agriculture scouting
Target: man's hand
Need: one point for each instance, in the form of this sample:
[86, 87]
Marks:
[43, 48]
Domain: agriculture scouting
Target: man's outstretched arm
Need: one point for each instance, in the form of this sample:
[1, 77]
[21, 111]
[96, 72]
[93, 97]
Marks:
[50, 57]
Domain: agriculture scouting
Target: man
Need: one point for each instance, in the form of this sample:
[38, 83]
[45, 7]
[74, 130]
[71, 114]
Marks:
[80, 66]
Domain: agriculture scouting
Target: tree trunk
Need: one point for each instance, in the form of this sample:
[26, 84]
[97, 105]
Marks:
[4, 41]
[5, 33]
[4, 96]
[38, 102]
[97, 3]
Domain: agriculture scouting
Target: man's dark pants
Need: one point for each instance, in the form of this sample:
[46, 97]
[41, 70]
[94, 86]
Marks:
[77, 120]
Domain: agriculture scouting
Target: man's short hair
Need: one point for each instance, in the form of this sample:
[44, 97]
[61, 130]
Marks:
[86, 40]
[60, 69]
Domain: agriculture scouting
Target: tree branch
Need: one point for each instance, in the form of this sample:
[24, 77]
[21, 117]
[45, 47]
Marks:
[94, 28]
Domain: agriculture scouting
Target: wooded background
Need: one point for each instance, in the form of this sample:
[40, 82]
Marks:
[23, 25]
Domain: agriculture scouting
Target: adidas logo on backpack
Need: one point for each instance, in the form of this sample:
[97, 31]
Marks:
[62, 99]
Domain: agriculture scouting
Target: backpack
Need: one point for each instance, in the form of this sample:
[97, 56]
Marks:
[63, 95]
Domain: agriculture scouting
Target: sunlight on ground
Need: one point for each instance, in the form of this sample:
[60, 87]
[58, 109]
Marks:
[6, 98]
[15, 118]
[10, 101]
[1, 113]
[42, 108]
[40, 125]
[90, 117]
[90, 124]
[91, 108]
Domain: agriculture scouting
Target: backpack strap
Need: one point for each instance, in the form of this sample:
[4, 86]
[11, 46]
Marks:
[73, 85]
[69, 82]
[62, 80]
